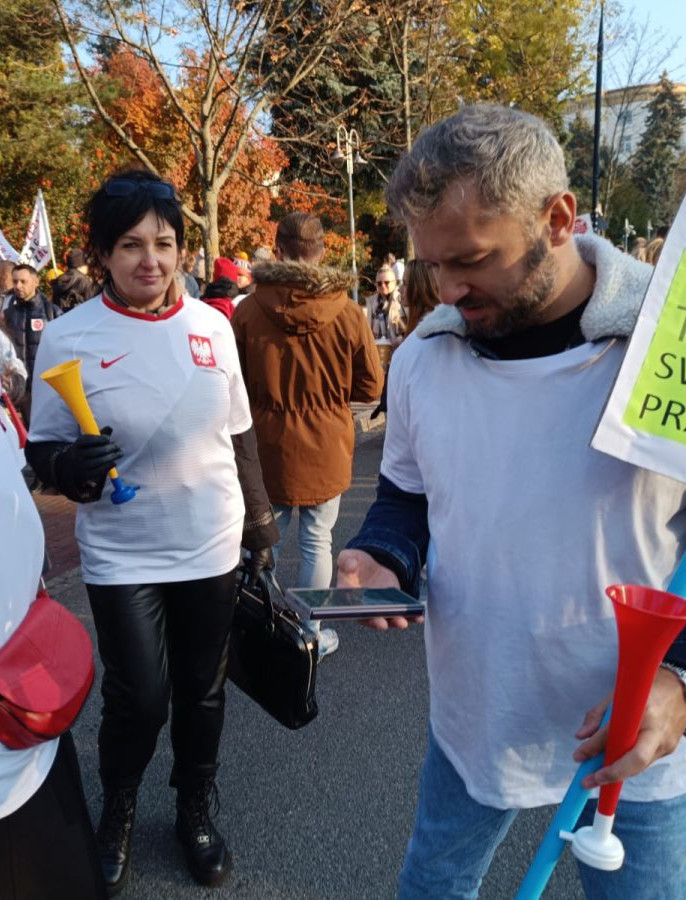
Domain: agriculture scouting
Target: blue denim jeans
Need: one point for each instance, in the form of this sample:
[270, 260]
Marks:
[455, 838]
[315, 524]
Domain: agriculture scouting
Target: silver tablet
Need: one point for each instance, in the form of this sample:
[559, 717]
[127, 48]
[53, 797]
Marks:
[352, 603]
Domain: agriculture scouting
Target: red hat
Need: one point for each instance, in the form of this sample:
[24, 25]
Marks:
[225, 268]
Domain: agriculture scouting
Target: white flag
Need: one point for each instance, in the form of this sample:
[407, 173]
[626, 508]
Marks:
[36, 249]
[7, 251]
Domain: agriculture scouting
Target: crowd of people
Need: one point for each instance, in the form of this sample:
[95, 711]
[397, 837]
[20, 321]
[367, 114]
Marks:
[227, 401]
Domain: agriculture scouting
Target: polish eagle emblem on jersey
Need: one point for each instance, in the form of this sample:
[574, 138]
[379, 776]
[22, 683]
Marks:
[201, 351]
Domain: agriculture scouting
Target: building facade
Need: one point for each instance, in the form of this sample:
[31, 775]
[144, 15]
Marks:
[624, 115]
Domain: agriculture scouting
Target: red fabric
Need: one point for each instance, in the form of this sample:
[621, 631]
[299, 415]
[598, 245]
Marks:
[46, 672]
[224, 305]
[226, 268]
[137, 314]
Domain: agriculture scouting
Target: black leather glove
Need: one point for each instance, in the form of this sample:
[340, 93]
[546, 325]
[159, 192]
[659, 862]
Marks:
[81, 468]
[258, 561]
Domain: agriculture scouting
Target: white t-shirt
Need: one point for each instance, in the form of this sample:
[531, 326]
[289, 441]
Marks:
[528, 527]
[172, 391]
[21, 560]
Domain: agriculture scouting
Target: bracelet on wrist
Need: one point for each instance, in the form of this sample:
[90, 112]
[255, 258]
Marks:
[678, 671]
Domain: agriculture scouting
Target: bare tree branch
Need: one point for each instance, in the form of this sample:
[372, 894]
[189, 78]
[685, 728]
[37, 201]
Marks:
[128, 142]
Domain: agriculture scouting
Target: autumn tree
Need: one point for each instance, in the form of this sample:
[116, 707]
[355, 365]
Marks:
[533, 56]
[354, 84]
[656, 161]
[132, 94]
[41, 129]
[403, 64]
[228, 109]
[378, 80]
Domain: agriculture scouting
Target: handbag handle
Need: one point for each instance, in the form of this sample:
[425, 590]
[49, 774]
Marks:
[266, 584]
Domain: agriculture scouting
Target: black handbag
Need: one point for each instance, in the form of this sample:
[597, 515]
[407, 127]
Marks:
[272, 657]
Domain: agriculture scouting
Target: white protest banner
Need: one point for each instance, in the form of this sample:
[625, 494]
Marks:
[37, 248]
[644, 421]
[7, 251]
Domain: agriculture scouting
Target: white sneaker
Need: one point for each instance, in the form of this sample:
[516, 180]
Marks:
[328, 642]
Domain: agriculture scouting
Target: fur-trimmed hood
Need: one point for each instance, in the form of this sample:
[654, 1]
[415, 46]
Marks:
[299, 297]
[306, 353]
[308, 278]
[621, 284]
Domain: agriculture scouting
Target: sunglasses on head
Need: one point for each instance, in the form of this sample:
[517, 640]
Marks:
[124, 187]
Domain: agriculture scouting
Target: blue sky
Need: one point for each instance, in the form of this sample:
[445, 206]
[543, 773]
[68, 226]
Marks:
[669, 17]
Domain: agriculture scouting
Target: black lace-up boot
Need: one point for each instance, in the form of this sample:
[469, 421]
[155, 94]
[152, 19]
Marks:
[114, 836]
[207, 857]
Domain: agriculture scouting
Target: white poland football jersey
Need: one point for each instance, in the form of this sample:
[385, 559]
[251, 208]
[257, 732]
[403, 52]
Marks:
[170, 387]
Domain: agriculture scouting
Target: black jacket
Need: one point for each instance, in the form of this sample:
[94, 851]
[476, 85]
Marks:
[25, 321]
[72, 288]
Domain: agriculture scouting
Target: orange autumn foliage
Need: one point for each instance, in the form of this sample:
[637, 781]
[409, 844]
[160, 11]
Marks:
[147, 113]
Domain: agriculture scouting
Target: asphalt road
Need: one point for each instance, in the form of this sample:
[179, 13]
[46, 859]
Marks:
[323, 813]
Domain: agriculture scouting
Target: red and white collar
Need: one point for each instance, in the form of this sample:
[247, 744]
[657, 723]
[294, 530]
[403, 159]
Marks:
[138, 314]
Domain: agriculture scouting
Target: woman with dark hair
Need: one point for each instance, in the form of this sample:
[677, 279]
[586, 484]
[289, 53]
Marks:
[162, 370]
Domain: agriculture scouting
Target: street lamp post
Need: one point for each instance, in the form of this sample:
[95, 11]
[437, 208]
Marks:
[348, 150]
[597, 122]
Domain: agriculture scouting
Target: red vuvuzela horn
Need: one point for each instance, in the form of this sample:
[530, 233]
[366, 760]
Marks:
[648, 620]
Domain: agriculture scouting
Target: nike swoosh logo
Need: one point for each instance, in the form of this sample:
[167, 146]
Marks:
[106, 365]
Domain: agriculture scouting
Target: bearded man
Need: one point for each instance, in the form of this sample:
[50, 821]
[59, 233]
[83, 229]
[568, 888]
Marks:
[487, 474]
[27, 313]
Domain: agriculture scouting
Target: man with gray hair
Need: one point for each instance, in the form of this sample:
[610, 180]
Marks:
[487, 474]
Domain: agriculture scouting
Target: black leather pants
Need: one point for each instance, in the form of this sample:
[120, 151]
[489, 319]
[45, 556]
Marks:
[157, 641]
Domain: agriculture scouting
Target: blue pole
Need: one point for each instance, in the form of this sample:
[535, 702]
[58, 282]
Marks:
[565, 819]
[677, 583]
[570, 809]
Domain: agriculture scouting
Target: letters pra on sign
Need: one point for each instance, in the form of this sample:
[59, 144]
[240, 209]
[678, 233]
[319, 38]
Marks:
[645, 418]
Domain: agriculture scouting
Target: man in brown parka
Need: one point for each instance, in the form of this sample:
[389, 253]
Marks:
[306, 352]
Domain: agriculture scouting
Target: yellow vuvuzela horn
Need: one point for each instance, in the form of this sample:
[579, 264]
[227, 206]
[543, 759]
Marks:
[66, 380]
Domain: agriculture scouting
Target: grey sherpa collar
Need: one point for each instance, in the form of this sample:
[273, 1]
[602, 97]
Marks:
[621, 283]
[307, 277]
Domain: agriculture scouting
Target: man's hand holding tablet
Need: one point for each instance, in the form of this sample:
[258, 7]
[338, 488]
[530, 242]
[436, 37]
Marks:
[357, 569]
